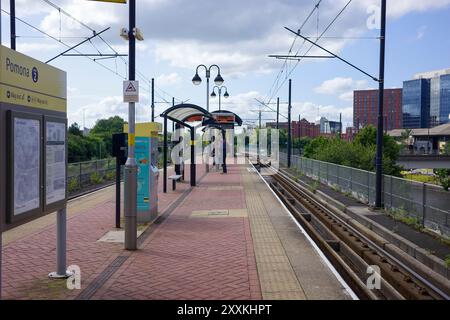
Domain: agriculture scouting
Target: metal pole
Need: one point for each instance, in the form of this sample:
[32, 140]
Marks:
[1, 245]
[117, 192]
[379, 157]
[173, 123]
[153, 100]
[165, 156]
[260, 120]
[207, 90]
[340, 125]
[299, 134]
[220, 98]
[289, 137]
[224, 142]
[278, 113]
[424, 203]
[61, 243]
[131, 165]
[12, 21]
[180, 161]
[193, 173]
[0, 227]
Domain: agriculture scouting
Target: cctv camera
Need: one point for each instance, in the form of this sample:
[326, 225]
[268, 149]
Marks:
[124, 33]
[138, 34]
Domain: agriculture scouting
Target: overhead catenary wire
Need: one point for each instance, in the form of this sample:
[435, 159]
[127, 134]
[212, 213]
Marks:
[55, 6]
[95, 60]
[62, 42]
[278, 77]
[309, 49]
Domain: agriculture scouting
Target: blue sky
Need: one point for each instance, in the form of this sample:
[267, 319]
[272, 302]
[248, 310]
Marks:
[237, 35]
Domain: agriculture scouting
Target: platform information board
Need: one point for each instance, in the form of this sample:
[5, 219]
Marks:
[27, 164]
[33, 138]
[56, 162]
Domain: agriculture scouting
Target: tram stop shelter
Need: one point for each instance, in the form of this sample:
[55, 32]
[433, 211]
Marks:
[182, 115]
[223, 120]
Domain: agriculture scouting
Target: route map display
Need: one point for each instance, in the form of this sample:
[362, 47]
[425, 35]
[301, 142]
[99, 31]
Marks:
[27, 172]
[55, 176]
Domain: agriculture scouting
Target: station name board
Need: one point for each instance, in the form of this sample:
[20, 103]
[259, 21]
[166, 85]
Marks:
[28, 82]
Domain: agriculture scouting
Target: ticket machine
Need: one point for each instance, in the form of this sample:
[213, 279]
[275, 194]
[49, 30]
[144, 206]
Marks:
[146, 150]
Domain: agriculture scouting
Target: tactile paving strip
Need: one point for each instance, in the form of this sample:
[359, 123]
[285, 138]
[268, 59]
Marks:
[276, 275]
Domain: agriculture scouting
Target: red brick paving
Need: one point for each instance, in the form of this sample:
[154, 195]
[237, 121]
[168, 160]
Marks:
[185, 258]
[194, 258]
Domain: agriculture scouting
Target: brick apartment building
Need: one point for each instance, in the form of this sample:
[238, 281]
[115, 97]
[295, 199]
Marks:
[365, 108]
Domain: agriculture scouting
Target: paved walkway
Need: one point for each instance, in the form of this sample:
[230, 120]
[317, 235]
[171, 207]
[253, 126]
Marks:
[228, 238]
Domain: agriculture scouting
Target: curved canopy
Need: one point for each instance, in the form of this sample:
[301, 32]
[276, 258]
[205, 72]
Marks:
[182, 112]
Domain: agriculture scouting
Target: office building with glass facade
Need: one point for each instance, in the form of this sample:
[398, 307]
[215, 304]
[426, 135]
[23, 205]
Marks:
[426, 100]
[443, 115]
[416, 103]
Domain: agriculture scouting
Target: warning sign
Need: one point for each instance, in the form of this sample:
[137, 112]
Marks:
[131, 91]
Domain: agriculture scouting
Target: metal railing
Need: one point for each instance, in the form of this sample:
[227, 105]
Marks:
[85, 175]
[427, 204]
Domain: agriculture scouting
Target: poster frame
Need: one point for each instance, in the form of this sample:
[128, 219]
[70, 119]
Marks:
[34, 213]
[55, 206]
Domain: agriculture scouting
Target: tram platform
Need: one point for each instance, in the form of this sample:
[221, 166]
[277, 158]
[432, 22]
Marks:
[227, 238]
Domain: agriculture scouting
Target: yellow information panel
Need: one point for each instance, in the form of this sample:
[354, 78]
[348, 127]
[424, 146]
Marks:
[145, 129]
[31, 83]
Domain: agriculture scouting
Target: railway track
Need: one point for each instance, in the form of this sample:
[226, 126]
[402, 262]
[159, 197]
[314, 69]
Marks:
[353, 249]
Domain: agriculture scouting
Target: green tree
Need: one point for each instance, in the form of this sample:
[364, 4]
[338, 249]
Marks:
[104, 130]
[443, 177]
[108, 126]
[357, 154]
[447, 148]
[75, 129]
[97, 144]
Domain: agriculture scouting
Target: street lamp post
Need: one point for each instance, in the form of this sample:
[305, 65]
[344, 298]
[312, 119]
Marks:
[226, 94]
[197, 80]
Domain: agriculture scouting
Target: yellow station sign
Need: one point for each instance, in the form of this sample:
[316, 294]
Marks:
[31, 83]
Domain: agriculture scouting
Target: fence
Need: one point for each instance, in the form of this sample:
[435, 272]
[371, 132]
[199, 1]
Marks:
[83, 175]
[428, 204]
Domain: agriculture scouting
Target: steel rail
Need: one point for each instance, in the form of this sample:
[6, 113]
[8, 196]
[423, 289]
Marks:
[422, 282]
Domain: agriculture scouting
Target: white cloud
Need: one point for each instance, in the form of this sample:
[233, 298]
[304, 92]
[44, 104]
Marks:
[238, 36]
[168, 79]
[342, 87]
[33, 47]
[108, 107]
[400, 8]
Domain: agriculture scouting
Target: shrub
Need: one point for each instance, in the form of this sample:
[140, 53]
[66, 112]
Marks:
[110, 176]
[73, 185]
[96, 178]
